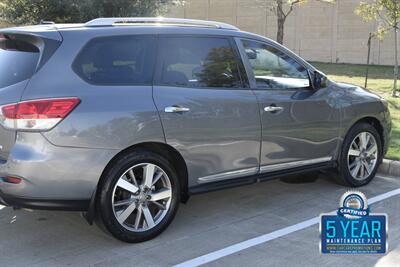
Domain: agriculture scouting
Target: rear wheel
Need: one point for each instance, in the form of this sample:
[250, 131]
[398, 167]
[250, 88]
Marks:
[361, 154]
[138, 197]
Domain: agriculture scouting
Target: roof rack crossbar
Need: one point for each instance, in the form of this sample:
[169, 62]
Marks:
[159, 20]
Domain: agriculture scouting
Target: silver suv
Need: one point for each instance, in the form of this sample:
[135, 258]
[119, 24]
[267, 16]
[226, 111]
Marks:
[124, 118]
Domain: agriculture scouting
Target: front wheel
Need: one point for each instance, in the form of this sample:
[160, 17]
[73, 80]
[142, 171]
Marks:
[138, 197]
[361, 154]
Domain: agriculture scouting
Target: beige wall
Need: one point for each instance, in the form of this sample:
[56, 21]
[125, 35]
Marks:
[316, 31]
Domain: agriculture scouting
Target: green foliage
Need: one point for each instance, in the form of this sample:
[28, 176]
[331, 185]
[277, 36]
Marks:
[126, 8]
[33, 11]
[64, 11]
[385, 12]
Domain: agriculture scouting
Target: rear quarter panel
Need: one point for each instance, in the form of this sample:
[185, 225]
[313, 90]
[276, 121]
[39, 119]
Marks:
[110, 117]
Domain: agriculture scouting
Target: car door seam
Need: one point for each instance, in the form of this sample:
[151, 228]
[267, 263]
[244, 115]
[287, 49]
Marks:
[152, 88]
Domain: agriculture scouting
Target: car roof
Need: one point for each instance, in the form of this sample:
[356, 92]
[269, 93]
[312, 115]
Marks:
[127, 21]
[155, 25]
[106, 28]
[116, 26]
[122, 26]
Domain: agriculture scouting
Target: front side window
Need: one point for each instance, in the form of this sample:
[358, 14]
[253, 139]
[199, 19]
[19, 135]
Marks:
[274, 69]
[117, 60]
[198, 62]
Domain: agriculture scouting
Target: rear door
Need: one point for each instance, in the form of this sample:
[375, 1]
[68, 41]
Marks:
[19, 59]
[300, 125]
[207, 110]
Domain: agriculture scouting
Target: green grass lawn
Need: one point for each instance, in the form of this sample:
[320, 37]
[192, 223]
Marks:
[380, 81]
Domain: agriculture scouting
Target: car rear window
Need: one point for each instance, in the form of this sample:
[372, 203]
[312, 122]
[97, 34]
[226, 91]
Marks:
[117, 60]
[18, 60]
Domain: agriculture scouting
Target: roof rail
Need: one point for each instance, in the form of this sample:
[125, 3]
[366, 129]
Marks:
[159, 20]
[46, 22]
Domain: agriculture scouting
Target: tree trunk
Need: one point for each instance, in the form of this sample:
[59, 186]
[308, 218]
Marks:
[281, 21]
[368, 56]
[396, 65]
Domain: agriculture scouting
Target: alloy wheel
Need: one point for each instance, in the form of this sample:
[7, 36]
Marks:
[142, 197]
[362, 156]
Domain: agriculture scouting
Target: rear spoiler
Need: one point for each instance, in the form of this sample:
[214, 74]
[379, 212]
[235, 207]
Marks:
[47, 31]
[45, 37]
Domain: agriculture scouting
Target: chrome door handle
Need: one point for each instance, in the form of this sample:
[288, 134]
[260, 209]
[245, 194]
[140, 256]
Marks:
[273, 109]
[176, 109]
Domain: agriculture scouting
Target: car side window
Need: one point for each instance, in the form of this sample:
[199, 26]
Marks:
[274, 69]
[117, 60]
[18, 60]
[198, 62]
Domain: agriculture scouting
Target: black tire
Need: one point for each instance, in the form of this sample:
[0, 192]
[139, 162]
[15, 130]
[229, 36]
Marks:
[344, 176]
[105, 195]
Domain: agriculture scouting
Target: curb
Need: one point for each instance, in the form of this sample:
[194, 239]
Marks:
[390, 167]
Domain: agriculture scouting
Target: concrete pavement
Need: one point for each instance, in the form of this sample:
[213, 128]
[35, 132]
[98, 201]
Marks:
[207, 223]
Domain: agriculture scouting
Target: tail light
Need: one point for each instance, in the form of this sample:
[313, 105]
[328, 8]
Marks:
[12, 180]
[39, 115]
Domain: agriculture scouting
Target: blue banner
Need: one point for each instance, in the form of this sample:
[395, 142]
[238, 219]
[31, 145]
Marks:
[365, 235]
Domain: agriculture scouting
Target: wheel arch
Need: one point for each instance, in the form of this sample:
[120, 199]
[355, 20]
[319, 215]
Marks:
[372, 121]
[375, 122]
[167, 151]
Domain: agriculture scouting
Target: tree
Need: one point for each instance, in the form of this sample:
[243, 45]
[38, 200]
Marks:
[127, 8]
[282, 9]
[387, 14]
[64, 11]
[33, 11]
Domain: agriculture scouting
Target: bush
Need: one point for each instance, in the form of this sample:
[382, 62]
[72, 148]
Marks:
[64, 11]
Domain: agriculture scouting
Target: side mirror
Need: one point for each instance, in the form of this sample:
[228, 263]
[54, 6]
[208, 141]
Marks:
[319, 80]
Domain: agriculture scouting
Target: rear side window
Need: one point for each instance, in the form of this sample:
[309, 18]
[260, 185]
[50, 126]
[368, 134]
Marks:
[198, 62]
[117, 60]
[18, 60]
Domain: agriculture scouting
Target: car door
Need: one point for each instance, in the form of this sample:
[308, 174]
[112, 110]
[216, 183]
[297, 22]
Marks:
[300, 125]
[207, 110]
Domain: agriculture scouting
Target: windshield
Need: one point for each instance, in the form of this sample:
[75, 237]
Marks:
[18, 60]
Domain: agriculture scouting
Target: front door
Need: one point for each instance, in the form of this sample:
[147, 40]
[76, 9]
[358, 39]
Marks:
[300, 126]
[207, 110]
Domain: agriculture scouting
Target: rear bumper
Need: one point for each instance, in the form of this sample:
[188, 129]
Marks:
[53, 177]
[44, 204]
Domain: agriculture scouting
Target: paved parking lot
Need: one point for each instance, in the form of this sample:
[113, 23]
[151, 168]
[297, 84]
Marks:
[207, 223]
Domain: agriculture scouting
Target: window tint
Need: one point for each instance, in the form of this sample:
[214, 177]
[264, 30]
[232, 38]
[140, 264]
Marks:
[198, 62]
[274, 69]
[117, 60]
[18, 61]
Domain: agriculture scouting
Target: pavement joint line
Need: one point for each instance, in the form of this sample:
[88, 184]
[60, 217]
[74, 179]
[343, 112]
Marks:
[213, 256]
